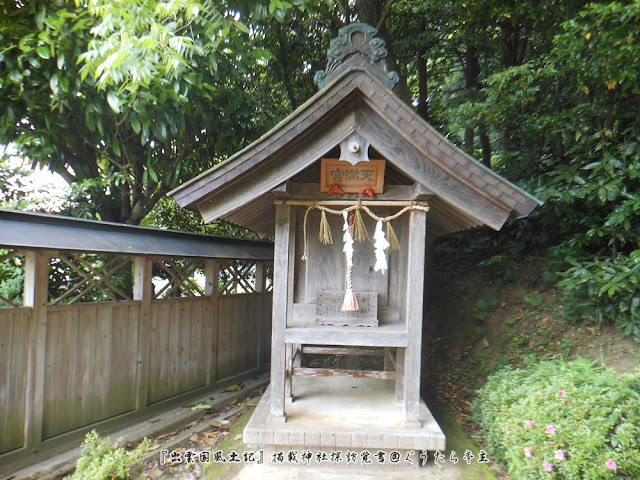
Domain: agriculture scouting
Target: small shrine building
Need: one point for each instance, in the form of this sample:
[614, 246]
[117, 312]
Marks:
[356, 187]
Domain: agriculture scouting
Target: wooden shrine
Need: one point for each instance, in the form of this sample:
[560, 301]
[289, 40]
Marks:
[355, 186]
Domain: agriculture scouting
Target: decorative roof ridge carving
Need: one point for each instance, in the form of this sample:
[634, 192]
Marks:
[356, 45]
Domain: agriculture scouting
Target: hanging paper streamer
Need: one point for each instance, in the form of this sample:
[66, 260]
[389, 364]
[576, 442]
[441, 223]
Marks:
[350, 303]
[348, 240]
[380, 244]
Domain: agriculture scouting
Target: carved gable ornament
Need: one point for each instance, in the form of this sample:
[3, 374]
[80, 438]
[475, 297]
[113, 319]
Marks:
[355, 46]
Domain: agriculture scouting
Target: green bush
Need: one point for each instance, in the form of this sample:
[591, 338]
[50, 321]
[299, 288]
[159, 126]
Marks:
[102, 460]
[557, 420]
[608, 291]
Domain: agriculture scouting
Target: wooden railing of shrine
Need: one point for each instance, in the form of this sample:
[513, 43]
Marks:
[103, 339]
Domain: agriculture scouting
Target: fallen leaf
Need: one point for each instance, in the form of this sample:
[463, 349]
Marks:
[238, 437]
[232, 388]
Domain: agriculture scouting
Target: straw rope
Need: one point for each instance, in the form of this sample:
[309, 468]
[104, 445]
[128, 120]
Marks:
[357, 206]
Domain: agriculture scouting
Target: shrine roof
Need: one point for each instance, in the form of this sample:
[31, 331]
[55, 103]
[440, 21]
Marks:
[356, 100]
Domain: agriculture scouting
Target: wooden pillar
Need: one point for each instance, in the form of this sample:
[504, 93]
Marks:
[260, 290]
[297, 355]
[36, 286]
[143, 292]
[282, 297]
[288, 386]
[212, 290]
[400, 359]
[413, 315]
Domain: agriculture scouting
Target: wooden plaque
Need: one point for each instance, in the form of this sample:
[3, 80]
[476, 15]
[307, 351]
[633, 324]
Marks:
[329, 310]
[352, 178]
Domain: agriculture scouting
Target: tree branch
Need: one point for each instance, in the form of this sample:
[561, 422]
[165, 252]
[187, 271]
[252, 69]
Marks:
[385, 13]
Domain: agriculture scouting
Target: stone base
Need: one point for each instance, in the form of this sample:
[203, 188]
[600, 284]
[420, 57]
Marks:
[343, 414]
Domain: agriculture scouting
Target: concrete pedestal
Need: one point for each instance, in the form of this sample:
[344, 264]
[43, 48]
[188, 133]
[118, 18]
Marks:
[343, 414]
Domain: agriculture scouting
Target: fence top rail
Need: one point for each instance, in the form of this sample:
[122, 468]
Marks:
[28, 230]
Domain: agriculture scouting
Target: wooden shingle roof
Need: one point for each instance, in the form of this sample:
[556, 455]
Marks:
[465, 193]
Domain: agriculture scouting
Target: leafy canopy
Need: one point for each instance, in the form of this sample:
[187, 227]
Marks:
[129, 99]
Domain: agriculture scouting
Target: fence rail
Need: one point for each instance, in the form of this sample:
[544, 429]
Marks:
[67, 367]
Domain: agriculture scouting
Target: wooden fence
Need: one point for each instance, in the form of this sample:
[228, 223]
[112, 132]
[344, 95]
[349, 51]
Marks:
[67, 367]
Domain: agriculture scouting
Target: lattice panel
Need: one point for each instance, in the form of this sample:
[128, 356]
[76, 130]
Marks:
[268, 277]
[11, 278]
[238, 277]
[78, 277]
[179, 278]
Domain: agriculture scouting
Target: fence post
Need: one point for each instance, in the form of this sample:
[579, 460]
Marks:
[143, 291]
[211, 288]
[36, 283]
[260, 290]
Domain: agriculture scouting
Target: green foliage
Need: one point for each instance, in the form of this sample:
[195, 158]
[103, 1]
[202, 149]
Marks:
[101, 460]
[129, 99]
[577, 420]
[562, 118]
[605, 290]
[12, 191]
[11, 278]
[483, 303]
[20, 189]
[167, 214]
[534, 300]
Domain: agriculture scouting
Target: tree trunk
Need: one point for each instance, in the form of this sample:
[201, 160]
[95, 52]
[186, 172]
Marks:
[472, 84]
[513, 50]
[423, 86]
[468, 139]
[374, 13]
[485, 142]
